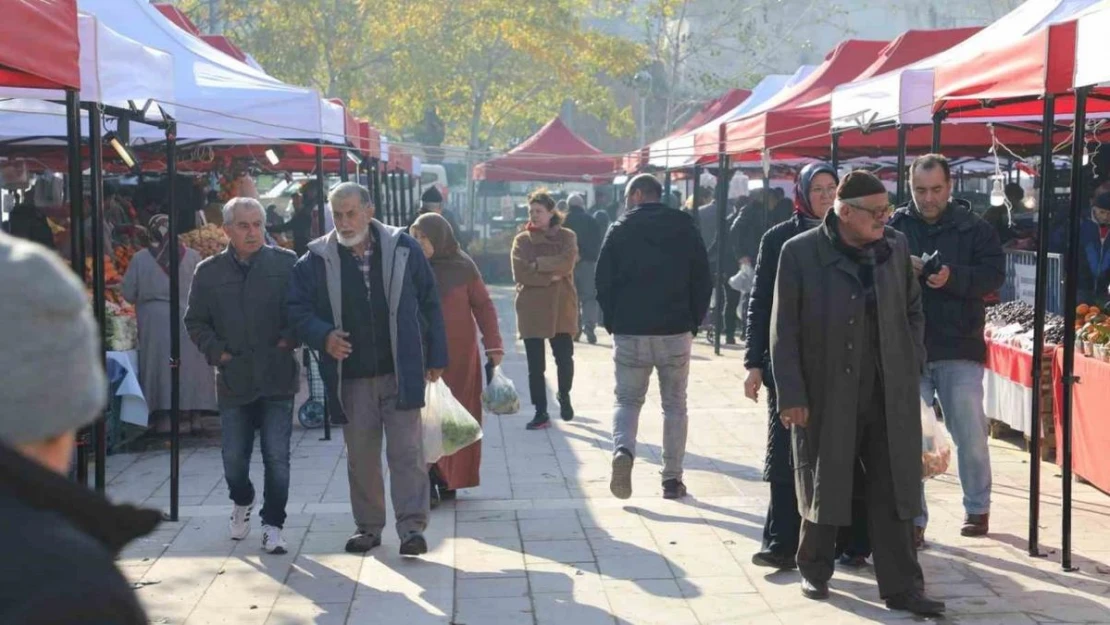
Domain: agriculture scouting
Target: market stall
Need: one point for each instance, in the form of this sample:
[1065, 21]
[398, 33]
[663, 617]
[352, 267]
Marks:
[1009, 379]
[1090, 423]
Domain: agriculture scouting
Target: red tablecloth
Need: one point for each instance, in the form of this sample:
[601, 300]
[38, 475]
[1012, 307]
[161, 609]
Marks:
[1090, 418]
[1012, 363]
[1008, 386]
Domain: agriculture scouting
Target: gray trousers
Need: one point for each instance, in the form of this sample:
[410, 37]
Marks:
[635, 358]
[587, 294]
[371, 407]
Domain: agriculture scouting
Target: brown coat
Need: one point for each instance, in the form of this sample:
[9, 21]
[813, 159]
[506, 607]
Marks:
[543, 269]
[816, 325]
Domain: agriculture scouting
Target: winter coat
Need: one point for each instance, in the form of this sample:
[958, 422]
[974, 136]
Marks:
[1094, 264]
[244, 314]
[543, 269]
[417, 336]
[653, 273]
[26, 221]
[818, 320]
[588, 232]
[778, 465]
[955, 314]
[59, 564]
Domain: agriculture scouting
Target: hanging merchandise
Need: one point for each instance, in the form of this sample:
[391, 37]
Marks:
[49, 190]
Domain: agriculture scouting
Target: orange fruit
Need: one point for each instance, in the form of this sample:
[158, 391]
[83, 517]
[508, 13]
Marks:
[1094, 309]
[1082, 310]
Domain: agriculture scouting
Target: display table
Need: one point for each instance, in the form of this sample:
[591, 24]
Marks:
[133, 407]
[1090, 418]
[1008, 386]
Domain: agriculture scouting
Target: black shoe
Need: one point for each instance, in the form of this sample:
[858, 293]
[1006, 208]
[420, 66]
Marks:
[976, 525]
[916, 602]
[414, 546]
[730, 340]
[566, 411]
[673, 489]
[591, 337]
[919, 538]
[362, 542]
[815, 591]
[447, 494]
[539, 422]
[855, 562]
[772, 560]
[620, 484]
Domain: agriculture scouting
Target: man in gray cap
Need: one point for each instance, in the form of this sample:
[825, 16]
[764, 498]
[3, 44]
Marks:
[58, 567]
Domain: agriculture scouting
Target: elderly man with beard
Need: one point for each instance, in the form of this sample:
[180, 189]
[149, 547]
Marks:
[973, 266]
[847, 351]
[365, 297]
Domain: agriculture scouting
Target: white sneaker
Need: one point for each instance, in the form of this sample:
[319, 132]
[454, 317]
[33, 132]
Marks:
[240, 524]
[273, 541]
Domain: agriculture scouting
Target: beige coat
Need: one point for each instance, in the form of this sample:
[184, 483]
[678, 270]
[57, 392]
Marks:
[543, 269]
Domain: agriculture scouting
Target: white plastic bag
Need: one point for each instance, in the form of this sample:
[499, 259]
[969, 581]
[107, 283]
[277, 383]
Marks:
[936, 453]
[742, 280]
[447, 425]
[500, 395]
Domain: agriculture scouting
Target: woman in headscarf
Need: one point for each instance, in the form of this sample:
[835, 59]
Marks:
[465, 300]
[813, 198]
[147, 286]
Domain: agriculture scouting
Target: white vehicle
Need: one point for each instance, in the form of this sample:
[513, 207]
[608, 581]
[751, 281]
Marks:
[434, 175]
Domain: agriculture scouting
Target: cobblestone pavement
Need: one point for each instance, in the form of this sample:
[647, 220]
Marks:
[542, 541]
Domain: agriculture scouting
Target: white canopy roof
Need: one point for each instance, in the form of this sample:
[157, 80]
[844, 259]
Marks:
[905, 96]
[115, 71]
[219, 98]
[679, 151]
[1090, 48]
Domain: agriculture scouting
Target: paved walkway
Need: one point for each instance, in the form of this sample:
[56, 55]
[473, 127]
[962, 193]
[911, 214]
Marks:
[542, 542]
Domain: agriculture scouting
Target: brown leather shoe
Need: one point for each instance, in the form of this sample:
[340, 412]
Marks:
[918, 538]
[976, 525]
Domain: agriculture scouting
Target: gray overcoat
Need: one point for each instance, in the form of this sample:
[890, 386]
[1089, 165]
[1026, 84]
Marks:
[816, 333]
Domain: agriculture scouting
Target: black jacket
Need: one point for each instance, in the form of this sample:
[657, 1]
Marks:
[58, 564]
[588, 232]
[750, 225]
[955, 314]
[757, 336]
[26, 221]
[243, 313]
[653, 273]
[301, 226]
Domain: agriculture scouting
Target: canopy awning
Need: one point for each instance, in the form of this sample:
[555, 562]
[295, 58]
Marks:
[217, 98]
[39, 46]
[1091, 67]
[681, 140]
[905, 95]
[553, 154]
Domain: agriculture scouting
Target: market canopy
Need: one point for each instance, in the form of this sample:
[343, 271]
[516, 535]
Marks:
[553, 154]
[218, 98]
[115, 72]
[39, 45]
[805, 130]
[1091, 67]
[905, 95]
[681, 140]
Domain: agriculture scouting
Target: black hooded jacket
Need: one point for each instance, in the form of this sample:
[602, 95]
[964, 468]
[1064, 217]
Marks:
[955, 314]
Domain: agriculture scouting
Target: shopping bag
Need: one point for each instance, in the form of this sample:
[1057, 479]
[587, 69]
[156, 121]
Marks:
[936, 452]
[500, 395]
[742, 280]
[448, 426]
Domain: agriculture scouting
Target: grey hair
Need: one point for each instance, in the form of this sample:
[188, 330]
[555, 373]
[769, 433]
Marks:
[345, 190]
[236, 203]
[576, 199]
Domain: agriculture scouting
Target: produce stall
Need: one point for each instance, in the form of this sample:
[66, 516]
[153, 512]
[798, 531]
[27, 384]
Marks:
[1091, 401]
[1008, 383]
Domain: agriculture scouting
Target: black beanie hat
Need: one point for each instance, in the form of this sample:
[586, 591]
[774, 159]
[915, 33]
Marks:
[432, 196]
[859, 183]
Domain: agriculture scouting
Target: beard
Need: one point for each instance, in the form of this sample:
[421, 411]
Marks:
[354, 240]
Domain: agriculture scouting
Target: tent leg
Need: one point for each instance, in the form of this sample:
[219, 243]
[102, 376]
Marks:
[376, 182]
[76, 255]
[412, 184]
[402, 181]
[322, 224]
[344, 173]
[1070, 296]
[723, 174]
[937, 118]
[900, 196]
[175, 325]
[100, 430]
[667, 189]
[1039, 303]
[834, 150]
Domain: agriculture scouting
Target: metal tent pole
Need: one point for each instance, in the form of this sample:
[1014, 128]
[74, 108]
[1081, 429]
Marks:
[77, 256]
[175, 323]
[1078, 146]
[376, 182]
[667, 189]
[937, 118]
[402, 180]
[413, 181]
[344, 173]
[1039, 303]
[723, 175]
[321, 221]
[900, 196]
[393, 199]
[96, 146]
[834, 151]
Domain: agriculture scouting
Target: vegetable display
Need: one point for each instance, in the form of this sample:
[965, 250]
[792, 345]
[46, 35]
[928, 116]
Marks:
[208, 240]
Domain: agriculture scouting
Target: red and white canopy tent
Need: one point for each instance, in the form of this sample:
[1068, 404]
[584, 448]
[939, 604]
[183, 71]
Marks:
[39, 45]
[681, 140]
[553, 154]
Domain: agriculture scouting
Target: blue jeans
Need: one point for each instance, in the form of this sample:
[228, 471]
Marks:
[958, 385]
[274, 419]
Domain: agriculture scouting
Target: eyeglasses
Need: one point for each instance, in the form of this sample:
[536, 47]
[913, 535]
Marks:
[823, 190]
[876, 213]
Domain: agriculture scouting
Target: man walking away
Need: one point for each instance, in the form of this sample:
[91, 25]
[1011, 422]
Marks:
[653, 284]
[237, 319]
[58, 566]
[365, 298]
[847, 353]
[974, 266]
[589, 236]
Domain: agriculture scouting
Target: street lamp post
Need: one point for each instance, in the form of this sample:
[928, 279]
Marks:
[642, 81]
